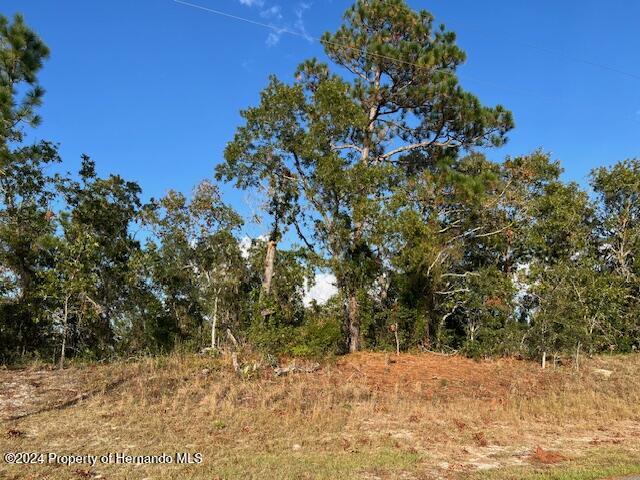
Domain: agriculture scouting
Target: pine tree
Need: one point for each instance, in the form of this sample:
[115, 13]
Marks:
[345, 140]
[26, 189]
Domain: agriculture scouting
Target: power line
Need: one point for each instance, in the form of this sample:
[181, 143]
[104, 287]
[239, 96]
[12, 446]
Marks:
[248, 20]
[348, 47]
[345, 47]
[570, 58]
[360, 50]
[582, 60]
[299, 34]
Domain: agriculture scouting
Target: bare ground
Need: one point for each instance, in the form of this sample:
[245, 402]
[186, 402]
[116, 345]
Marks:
[360, 416]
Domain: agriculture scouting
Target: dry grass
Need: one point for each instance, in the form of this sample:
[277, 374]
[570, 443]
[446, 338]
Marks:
[362, 416]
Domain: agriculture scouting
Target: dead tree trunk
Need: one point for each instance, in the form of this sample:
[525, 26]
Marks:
[269, 263]
[269, 270]
[65, 323]
[214, 321]
[353, 323]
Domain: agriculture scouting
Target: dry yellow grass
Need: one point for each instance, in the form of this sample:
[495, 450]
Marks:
[358, 417]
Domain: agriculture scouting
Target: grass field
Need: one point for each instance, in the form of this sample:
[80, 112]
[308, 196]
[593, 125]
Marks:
[361, 416]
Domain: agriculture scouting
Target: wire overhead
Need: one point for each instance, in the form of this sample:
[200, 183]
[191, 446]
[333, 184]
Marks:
[360, 50]
[378, 55]
[299, 34]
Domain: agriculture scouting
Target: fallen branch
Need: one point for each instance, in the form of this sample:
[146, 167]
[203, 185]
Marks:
[442, 354]
[208, 351]
[72, 401]
[281, 371]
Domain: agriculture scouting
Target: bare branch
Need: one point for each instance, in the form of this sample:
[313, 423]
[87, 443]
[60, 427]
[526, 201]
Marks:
[346, 146]
[415, 146]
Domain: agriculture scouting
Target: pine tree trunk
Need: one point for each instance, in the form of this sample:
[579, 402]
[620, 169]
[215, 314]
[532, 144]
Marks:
[353, 323]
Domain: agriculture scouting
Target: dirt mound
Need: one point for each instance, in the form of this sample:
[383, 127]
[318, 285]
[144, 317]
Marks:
[430, 374]
[546, 456]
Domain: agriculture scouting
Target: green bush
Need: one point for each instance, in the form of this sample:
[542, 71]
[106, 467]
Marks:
[318, 338]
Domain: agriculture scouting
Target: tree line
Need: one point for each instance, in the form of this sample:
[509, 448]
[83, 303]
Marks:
[373, 167]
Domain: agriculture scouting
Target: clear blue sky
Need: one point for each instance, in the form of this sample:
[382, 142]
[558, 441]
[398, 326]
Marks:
[152, 89]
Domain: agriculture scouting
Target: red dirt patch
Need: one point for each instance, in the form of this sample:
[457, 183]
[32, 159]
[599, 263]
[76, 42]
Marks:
[436, 375]
[480, 439]
[546, 456]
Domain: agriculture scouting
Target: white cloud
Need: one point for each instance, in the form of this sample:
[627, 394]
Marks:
[251, 3]
[274, 11]
[276, 16]
[324, 287]
[246, 242]
[273, 38]
[324, 284]
[300, 26]
[245, 245]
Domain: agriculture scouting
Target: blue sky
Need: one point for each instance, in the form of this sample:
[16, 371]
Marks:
[152, 89]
